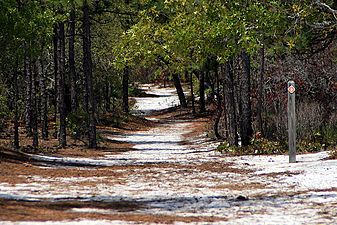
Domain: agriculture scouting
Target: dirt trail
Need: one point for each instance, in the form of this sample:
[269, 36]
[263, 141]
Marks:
[172, 175]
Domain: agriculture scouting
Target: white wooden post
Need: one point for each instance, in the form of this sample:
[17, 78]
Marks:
[291, 122]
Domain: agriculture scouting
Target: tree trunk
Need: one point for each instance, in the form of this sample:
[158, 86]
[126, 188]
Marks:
[219, 107]
[55, 59]
[192, 93]
[107, 95]
[126, 73]
[28, 99]
[16, 113]
[231, 109]
[61, 87]
[126, 89]
[180, 91]
[246, 125]
[44, 102]
[218, 95]
[72, 67]
[224, 105]
[202, 92]
[35, 105]
[261, 91]
[87, 68]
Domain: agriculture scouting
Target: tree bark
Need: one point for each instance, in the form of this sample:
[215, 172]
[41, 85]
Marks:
[44, 102]
[192, 93]
[202, 92]
[72, 67]
[61, 86]
[16, 110]
[107, 95]
[218, 95]
[28, 98]
[246, 125]
[260, 99]
[231, 109]
[126, 73]
[55, 59]
[224, 104]
[180, 91]
[219, 107]
[126, 89]
[87, 68]
[35, 105]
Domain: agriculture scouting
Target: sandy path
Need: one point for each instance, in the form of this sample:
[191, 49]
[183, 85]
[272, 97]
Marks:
[165, 181]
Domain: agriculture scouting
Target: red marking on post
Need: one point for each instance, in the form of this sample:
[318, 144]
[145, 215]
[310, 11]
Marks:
[291, 89]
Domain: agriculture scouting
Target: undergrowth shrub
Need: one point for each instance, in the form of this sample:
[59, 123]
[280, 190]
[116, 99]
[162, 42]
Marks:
[263, 146]
[259, 146]
[135, 91]
[333, 153]
[77, 124]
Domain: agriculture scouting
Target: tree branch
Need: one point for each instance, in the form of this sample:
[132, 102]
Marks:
[326, 8]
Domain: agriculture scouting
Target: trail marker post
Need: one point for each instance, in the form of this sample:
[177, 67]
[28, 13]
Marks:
[291, 122]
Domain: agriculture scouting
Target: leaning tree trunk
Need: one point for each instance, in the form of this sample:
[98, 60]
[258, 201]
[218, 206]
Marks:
[180, 91]
[72, 67]
[246, 124]
[61, 87]
[87, 68]
[231, 109]
[202, 92]
[28, 98]
[126, 89]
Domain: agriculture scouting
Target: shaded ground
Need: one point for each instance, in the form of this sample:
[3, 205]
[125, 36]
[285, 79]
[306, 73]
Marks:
[167, 173]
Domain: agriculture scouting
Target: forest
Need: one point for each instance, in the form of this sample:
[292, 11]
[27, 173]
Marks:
[74, 71]
[64, 64]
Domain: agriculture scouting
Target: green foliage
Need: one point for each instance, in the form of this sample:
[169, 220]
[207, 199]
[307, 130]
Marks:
[134, 91]
[262, 146]
[329, 135]
[259, 146]
[309, 147]
[77, 124]
[184, 33]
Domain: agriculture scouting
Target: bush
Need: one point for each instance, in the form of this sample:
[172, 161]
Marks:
[333, 153]
[309, 147]
[329, 136]
[134, 91]
[77, 124]
[260, 146]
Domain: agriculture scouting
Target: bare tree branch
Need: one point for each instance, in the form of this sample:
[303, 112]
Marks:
[326, 8]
